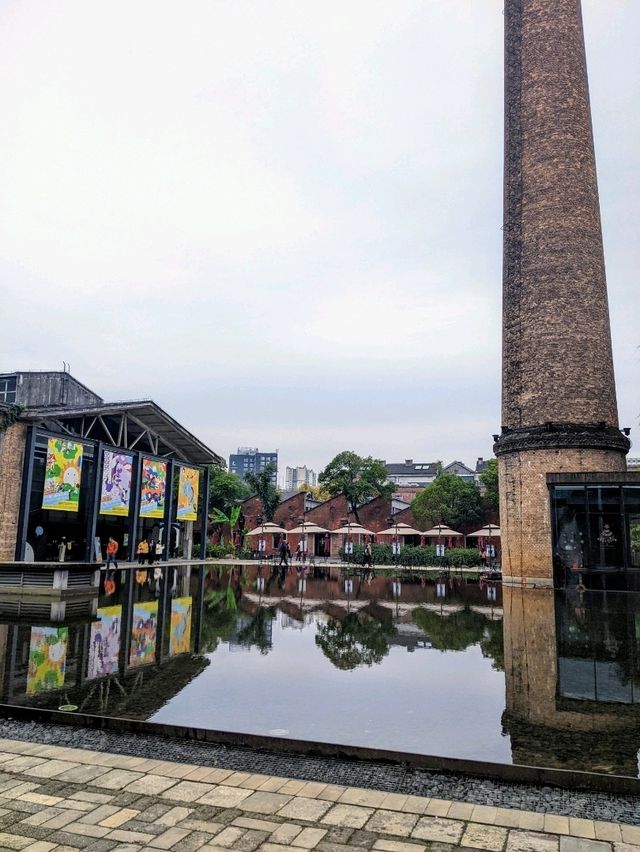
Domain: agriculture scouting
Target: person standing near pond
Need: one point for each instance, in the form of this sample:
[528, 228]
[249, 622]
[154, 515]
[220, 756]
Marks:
[367, 560]
[112, 551]
[143, 551]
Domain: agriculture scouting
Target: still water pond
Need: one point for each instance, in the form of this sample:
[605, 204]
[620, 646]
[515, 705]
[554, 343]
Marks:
[457, 668]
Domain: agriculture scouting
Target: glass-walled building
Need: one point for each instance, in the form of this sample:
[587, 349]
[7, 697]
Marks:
[596, 529]
[77, 472]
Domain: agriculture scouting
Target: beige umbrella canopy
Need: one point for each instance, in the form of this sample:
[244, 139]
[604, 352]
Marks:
[308, 528]
[267, 528]
[489, 531]
[441, 530]
[352, 529]
[400, 529]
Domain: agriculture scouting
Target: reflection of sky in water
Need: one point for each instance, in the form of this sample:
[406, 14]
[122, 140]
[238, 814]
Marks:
[425, 701]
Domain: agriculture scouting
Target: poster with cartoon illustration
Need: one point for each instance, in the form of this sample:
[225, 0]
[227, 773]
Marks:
[115, 490]
[47, 659]
[104, 644]
[62, 476]
[143, 634]
[153, 488]
[188, 483]
[180, 635]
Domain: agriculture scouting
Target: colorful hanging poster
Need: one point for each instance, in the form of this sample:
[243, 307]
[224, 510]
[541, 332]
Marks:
[180, 634]
[188, 483]
[104, 647]
[143, 634]
[115, 490]
[47, 659]
[153, 488]
[62, 476]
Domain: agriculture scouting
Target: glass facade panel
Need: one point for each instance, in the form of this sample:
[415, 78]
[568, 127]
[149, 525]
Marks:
[570, 532]
[631, 497]
[596, 531]
[605, 527]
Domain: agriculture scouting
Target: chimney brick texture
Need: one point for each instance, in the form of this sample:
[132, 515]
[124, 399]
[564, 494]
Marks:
[557, 363]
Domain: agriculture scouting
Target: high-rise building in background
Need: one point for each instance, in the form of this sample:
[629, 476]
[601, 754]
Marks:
[297, 476]
[251, 460]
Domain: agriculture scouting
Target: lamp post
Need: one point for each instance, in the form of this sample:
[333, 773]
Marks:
[261, 541]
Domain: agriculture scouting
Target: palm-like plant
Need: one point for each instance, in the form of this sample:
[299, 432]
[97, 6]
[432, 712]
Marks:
[217, 516]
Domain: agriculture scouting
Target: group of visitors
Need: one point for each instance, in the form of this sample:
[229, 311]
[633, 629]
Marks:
[146, 551]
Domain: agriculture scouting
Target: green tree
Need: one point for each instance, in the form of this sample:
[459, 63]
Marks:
[359, 479]
[448, 500]
[489, 478]
[225, 489]
[262, 485]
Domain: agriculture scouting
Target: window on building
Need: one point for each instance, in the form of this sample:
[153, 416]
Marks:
[8, 390]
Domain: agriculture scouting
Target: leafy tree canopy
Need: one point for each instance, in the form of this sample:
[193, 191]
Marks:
[226, 490]
[489, 478]
[448, 500]
[317, 492]
[359, 479]
[261, 484]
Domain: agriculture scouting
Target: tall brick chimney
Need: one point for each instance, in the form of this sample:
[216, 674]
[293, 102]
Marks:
[559, 410]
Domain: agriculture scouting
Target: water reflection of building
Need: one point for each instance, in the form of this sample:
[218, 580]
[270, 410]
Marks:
[124, 652]
[572, 674]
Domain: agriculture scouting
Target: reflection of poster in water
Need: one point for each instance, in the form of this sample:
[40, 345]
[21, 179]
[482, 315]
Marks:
[188, 494]
[153, 488]
[62, 476]
[104, 647]
[116, 483]
[180, 636]
[47, 659]
[143, 633]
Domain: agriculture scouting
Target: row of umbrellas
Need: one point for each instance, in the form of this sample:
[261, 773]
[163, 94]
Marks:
[357, 529]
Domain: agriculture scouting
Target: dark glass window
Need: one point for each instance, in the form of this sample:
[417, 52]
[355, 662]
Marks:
[605, 527]
[8, 389]
[570, 532]
[631, 497]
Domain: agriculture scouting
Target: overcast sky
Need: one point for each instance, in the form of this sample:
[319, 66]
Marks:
[281, 219]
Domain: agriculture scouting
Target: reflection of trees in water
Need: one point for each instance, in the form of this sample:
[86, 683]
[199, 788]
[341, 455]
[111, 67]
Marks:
[258, 631]
[354, 641]
[459, 630]
[218, 625]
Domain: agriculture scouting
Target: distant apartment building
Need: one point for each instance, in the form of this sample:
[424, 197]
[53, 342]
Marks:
[251, 460]
[411, 477]
[297, 476]
[461, 470]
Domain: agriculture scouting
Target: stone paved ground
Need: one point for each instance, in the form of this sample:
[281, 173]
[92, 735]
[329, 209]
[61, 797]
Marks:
[67, 799]
[392, 777]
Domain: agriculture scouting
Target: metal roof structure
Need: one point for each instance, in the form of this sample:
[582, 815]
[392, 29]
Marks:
[135, 424]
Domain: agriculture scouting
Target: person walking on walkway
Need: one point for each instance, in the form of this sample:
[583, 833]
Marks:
[283, 548]
[112, 552]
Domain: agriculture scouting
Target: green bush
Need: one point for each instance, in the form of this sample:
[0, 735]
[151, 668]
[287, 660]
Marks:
[218, 551]
[418, 557]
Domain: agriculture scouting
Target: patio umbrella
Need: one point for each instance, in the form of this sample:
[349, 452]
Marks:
[354, 529]
[308, 528]
[400, 529]
[267, 528]
[441, 530]
[489, 531]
